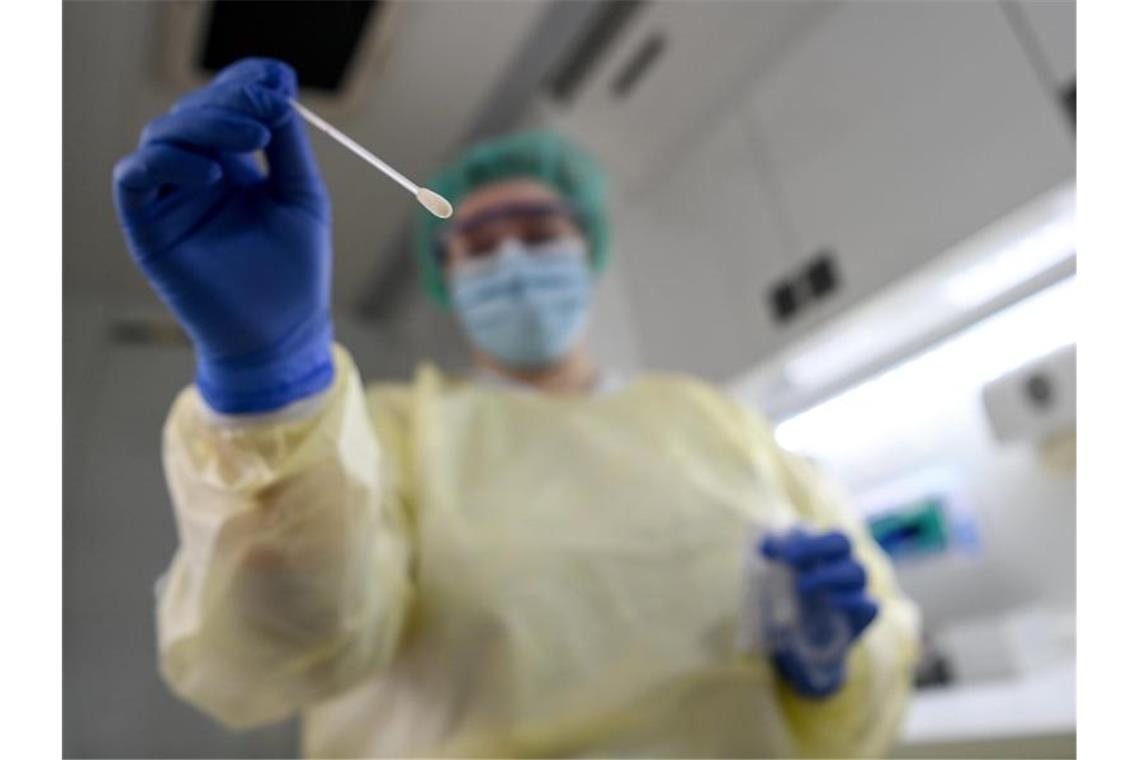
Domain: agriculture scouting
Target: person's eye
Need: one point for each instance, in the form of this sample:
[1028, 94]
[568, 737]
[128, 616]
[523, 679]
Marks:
[541, 233]
[483, 245]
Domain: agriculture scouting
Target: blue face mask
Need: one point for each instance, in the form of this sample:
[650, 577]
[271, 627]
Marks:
[525, 306]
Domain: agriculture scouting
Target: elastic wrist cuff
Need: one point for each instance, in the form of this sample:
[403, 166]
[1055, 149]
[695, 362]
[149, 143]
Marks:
[298, 367]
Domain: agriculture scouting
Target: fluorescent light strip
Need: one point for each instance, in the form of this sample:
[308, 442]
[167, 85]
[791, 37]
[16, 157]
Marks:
[1019, 262]
[997, 273]
[896, 402]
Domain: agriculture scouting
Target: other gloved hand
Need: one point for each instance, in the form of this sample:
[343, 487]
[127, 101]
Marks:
[242, 257]
[831, 587]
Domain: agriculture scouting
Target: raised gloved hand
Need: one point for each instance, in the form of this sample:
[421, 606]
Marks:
[830, 587]
[242, 257]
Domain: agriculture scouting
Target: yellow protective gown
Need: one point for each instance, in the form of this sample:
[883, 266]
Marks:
[453, 569]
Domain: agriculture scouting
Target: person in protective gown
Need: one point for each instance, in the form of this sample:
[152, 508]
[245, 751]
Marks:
[538, 559]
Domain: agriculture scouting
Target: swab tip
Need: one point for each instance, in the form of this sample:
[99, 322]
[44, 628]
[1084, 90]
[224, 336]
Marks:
[434, 202]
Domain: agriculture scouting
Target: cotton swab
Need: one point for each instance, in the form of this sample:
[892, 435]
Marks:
[433, 202]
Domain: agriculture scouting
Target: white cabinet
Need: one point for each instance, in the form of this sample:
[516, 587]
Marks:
[896, 130]
[695, 251]
[887, 133]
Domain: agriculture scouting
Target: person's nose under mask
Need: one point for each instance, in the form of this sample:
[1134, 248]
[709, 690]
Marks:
[526, 306]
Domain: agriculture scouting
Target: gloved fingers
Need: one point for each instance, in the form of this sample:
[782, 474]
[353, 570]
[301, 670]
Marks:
[776, 546]
[241, 168]
[772, 547]
[293, 172]
[860, 609]
[139, 177]
[268, 104]
[813, 683]
[845, 575]
[207, 128]
[802, 550]
[263, 90]
[272, 72]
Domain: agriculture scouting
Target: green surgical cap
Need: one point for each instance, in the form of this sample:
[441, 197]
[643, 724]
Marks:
[537, 154]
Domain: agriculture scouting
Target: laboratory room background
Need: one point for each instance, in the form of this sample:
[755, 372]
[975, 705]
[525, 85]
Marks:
[569, 378]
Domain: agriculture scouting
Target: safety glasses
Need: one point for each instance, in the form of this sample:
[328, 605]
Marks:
[531, 223]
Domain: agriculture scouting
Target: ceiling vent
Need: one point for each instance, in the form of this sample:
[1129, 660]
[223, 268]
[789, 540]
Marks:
[337, 47]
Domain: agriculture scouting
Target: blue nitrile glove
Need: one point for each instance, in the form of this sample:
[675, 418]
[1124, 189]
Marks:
[243, 258]
[831, 587]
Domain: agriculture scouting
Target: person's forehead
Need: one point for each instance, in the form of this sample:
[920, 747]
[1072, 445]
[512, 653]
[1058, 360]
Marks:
[504, 193]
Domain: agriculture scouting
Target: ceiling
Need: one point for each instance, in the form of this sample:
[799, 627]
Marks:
[446, 61]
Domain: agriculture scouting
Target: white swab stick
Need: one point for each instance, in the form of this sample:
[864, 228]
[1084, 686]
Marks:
[432, 201]
[355, 147]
